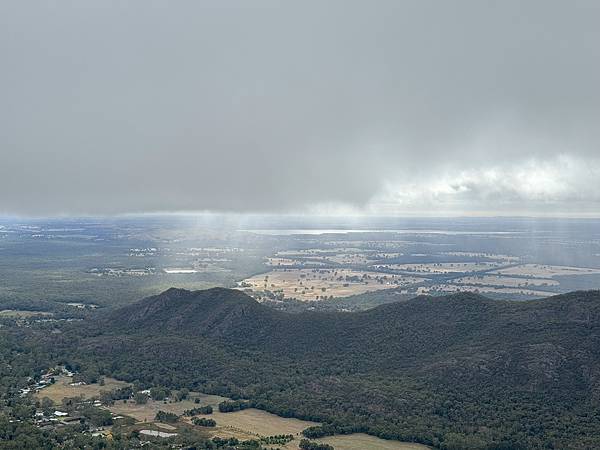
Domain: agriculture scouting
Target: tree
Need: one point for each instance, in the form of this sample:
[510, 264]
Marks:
[165, 416]
[305, 444]
[159, 393]
[140, 398]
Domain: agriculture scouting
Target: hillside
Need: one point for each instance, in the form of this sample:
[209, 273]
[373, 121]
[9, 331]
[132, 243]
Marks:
[460, 371]
[214, 312]
[536, 341]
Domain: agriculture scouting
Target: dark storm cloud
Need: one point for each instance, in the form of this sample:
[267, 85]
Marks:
[467, 106]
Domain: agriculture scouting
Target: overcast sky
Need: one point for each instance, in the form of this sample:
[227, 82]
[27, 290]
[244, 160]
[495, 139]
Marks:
[374, 107]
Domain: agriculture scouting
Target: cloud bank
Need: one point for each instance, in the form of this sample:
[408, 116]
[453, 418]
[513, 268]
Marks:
[390, 107]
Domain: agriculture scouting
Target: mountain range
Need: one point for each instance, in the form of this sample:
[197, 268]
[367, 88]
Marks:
[460, 371]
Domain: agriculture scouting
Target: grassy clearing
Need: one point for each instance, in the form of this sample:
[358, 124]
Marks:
[254, 423]
[546, 271]
[243, 425]
[22, 314]
[480, 289]
[147, 412]
[360, 441]
[62, 388]
[310, 285]
[441, 268]
[495, 280]
[257, 423]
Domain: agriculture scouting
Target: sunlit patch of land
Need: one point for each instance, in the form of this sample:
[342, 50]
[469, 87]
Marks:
[441, 268]
[22, 314]
[147, 412]
[542, 270]
[504, 258]
[321, 284]
[288, 262]
[510, 282]
[349, 258]
[254, 423]
[176, 270]
[446, 288]
[359, 441]
[65, 387]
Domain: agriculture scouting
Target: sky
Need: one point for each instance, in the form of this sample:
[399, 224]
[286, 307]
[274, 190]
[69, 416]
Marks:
[318, 106]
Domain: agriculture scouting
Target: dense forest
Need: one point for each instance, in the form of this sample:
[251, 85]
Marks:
[456, 372]
[452, 372]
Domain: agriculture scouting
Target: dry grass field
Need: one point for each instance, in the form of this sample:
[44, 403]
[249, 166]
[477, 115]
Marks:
[441, 267]
[545, 271]
[480, 289]
[243, 425]
[319, 251]
[504, 258]
[360, 441]
[147, 412]
[349, 258]
[279, 262]
[495, 280]
[62, 388]
[22, 314]
[260, 422]
[254, 423]
[321, 284]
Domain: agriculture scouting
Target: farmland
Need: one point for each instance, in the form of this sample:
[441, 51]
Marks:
[246, 424]
[322, 284]
[441, 268]
[110, 263]
[146, 412]
[65, 387]
[249, 424]
[22, 314]
[338, 265]
[253, 423]
[544, 271]
[360, 441]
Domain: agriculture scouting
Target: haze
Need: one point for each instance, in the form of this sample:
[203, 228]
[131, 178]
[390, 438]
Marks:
[470, 107]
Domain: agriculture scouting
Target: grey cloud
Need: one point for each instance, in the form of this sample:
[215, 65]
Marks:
[112, 107]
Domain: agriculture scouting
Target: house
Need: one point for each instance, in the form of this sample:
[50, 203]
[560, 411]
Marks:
[24, 392]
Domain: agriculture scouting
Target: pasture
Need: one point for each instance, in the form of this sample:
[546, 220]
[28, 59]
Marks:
[510, 282]
[322, 284]
[147, 412]
[22, 314]
[441, 268]
[258, 422]
[451, 288]
[254, 423]
[359, 441]
[62, 388]
[546, 271]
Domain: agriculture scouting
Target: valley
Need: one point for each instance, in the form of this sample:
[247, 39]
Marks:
[132, 414]
[299, 225]
[108, 263]
[385, 338]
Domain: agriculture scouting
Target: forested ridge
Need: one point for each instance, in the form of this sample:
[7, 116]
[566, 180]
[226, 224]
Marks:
[453, 372]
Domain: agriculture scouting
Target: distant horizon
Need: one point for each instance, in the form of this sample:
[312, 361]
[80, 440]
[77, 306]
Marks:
[192, 214]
